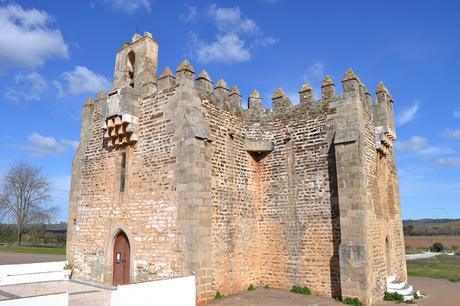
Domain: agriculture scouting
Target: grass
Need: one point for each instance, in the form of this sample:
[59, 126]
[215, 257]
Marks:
[353, 301]
[301, 290]
[442, 267]
[33, 250]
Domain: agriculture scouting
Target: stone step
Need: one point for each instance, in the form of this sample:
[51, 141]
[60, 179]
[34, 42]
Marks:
[396, 285]
[391, 278]
[407, 289]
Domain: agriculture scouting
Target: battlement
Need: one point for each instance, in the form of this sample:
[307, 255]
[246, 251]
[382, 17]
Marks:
[135, 79]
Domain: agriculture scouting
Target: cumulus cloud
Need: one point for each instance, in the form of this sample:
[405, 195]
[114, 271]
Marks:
[227, 48]
[230, 19]
[237, 36]
[40, 145]
[449, 161]
[27, 39]
[450, 133]
[420, 146]
[80, 80]
[28, 87]
[408, 114]
[131, 6]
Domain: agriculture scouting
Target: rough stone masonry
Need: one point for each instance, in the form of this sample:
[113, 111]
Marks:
[300, 194]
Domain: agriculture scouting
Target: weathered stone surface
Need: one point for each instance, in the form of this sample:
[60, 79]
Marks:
[303, 194]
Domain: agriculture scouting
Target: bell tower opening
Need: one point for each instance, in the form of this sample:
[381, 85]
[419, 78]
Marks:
[130, 64]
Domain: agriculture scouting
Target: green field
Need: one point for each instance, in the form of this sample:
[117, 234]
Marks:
[33, 250]
[442, 266]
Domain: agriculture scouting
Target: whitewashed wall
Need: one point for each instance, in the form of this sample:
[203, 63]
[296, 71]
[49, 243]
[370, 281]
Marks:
[171, 292]
[59, 299]
[31, 273]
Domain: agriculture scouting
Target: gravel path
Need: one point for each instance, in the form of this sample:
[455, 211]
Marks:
[7, 258]
[79, 294]
[421, 256]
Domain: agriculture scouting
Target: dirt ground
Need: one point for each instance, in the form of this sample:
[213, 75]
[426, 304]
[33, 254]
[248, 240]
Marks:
[427, 241]
[438, 293]
[7, 258]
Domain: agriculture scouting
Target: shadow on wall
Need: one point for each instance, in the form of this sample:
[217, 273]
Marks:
[335, 215]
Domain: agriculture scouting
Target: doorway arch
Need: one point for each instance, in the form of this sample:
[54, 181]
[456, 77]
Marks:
[121, 259]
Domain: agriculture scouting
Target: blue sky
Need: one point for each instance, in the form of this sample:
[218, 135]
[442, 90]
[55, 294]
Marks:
[55, 54]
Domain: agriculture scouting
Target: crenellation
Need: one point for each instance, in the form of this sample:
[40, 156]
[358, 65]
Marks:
[327, 89]
[221, 93]
[185, 71]
[204, 84]
[166, 80]
[255, 102]
[302, 194]
[235, 100]
[306, 94]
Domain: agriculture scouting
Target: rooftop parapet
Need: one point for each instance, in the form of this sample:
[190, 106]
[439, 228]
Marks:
[383, 109]
[306, 94]
[166, 80]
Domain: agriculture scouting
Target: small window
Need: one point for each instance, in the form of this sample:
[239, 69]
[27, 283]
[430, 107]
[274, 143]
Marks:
[130, 65]
[123, 172]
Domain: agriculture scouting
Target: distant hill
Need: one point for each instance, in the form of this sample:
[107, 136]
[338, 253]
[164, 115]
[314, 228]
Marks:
[431, 227]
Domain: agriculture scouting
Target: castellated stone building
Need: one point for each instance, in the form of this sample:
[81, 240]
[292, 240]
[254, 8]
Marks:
[174, 177]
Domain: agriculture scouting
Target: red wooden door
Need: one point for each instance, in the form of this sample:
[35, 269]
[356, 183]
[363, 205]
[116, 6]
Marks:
[121, 260]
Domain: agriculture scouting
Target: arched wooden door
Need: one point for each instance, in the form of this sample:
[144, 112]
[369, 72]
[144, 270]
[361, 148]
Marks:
[121, 251]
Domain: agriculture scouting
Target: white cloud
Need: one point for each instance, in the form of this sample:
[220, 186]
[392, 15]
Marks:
[314, 72]
[28, 87]
[131, 6]
[419, 145]
[26, 39]
[228, 48]
[408, 114]
[450, 133]
[457, 112]
[236, 37]
[229, 19]
[449, 161]
[40, 145]
[190, 15]
[81, 80]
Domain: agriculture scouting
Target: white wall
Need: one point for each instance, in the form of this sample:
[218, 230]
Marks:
[31, 273]
[59, 299]
[171, 292]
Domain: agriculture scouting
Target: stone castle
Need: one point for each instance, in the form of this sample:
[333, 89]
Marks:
[300, 194]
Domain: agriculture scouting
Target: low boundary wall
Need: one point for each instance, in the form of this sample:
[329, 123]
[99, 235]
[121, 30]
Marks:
[171, 292]
[32, 272]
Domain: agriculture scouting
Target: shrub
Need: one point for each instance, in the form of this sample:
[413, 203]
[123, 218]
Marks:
[266, 287]
[251, 287]
[218, 296]
[437, 247]
[301, 290]
[396, 297]
[68, 267]
[353, 301]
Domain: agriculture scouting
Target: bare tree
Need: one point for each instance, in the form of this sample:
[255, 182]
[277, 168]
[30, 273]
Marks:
[24, 190]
